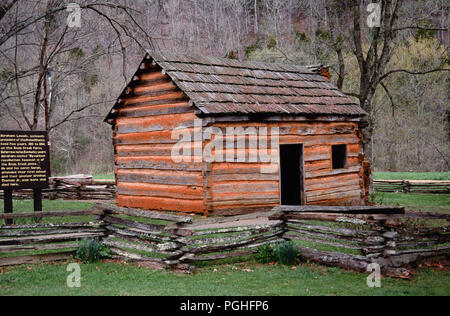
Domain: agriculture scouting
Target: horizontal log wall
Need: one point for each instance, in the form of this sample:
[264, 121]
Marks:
[147, 177]
[242, 185]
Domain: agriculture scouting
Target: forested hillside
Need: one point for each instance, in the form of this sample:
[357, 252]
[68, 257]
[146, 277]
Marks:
[63, 74]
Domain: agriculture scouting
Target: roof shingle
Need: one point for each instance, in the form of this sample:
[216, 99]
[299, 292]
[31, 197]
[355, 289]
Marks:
[226, 86]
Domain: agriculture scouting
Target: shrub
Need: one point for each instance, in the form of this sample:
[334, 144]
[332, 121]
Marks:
[91, 250]
[286, 252]
[266, 254]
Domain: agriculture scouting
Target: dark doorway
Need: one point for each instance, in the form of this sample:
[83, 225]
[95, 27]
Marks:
[291, 174]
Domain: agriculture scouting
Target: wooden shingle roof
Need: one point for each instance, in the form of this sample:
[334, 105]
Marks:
[219, 86]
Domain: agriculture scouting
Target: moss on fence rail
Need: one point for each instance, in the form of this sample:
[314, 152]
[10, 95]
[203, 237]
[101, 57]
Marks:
[350, 237]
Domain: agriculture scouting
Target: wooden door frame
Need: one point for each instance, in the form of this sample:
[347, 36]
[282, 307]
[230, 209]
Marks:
[302, 172]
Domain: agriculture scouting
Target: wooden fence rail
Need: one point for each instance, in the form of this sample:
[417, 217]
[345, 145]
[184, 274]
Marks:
[179, 242]
[36, 241]
[348, 237]
[358, 236]
[412, 186]
[154, 239]
[78, 187]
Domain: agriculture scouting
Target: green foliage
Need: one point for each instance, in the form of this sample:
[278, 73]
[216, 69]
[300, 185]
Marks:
[376, 198]
[323, 35]
[286, 252]
[77, 52]
[81, 140]
[26, 221]
[103, 176]
[415, 201]
[446, 61]
[94, 79]
[243, 279]
[6, 73]
[266, 55]
[425, 34]
[91, 250]
[97, 51]
[301, 37]
[266, 254]
[57, 162]
[272, 44]
[411, 175]
[252, 48]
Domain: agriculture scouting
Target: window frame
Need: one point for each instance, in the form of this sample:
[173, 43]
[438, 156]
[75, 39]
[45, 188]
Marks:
[344, 158]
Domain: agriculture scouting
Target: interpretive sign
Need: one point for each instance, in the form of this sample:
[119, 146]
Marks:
[24, 160]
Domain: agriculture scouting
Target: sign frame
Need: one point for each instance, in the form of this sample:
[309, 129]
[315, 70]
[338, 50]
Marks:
[44, 165]
[36, 186]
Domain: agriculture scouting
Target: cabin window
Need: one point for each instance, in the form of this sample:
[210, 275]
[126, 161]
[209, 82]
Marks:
[339, 156]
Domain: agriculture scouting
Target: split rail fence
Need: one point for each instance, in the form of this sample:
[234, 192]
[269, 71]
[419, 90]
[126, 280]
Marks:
[77, 187]
[46, 236]
[354, 237]
[412, 186]
[348, 237]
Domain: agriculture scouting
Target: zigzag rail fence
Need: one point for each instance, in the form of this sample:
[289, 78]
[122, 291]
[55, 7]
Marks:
[412, 186]
[347, 237]
[76, 187]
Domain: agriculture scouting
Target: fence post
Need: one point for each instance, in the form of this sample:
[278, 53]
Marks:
[405, 186]
[8, 205]
[37, 200]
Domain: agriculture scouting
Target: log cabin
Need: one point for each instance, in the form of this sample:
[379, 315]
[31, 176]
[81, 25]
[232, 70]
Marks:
[217, 136]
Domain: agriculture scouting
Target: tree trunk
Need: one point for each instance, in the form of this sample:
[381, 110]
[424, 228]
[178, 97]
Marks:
[367, 133]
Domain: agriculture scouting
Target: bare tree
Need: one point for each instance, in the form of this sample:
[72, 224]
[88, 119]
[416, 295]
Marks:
[88, 65]
[373, 48]
[54, 43]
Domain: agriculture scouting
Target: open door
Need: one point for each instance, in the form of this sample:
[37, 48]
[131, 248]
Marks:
[292, 178]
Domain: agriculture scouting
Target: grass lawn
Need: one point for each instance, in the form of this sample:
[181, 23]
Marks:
[240, 279]
[228, 279]
[24, 206]
[21, 206]
[411, 175]
[414, 201]
[109, 176]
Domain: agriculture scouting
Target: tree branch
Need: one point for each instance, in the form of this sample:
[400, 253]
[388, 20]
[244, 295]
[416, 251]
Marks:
[416, 27]
[411, 72]
[18, 27]
[68, 117]
[391, 98]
